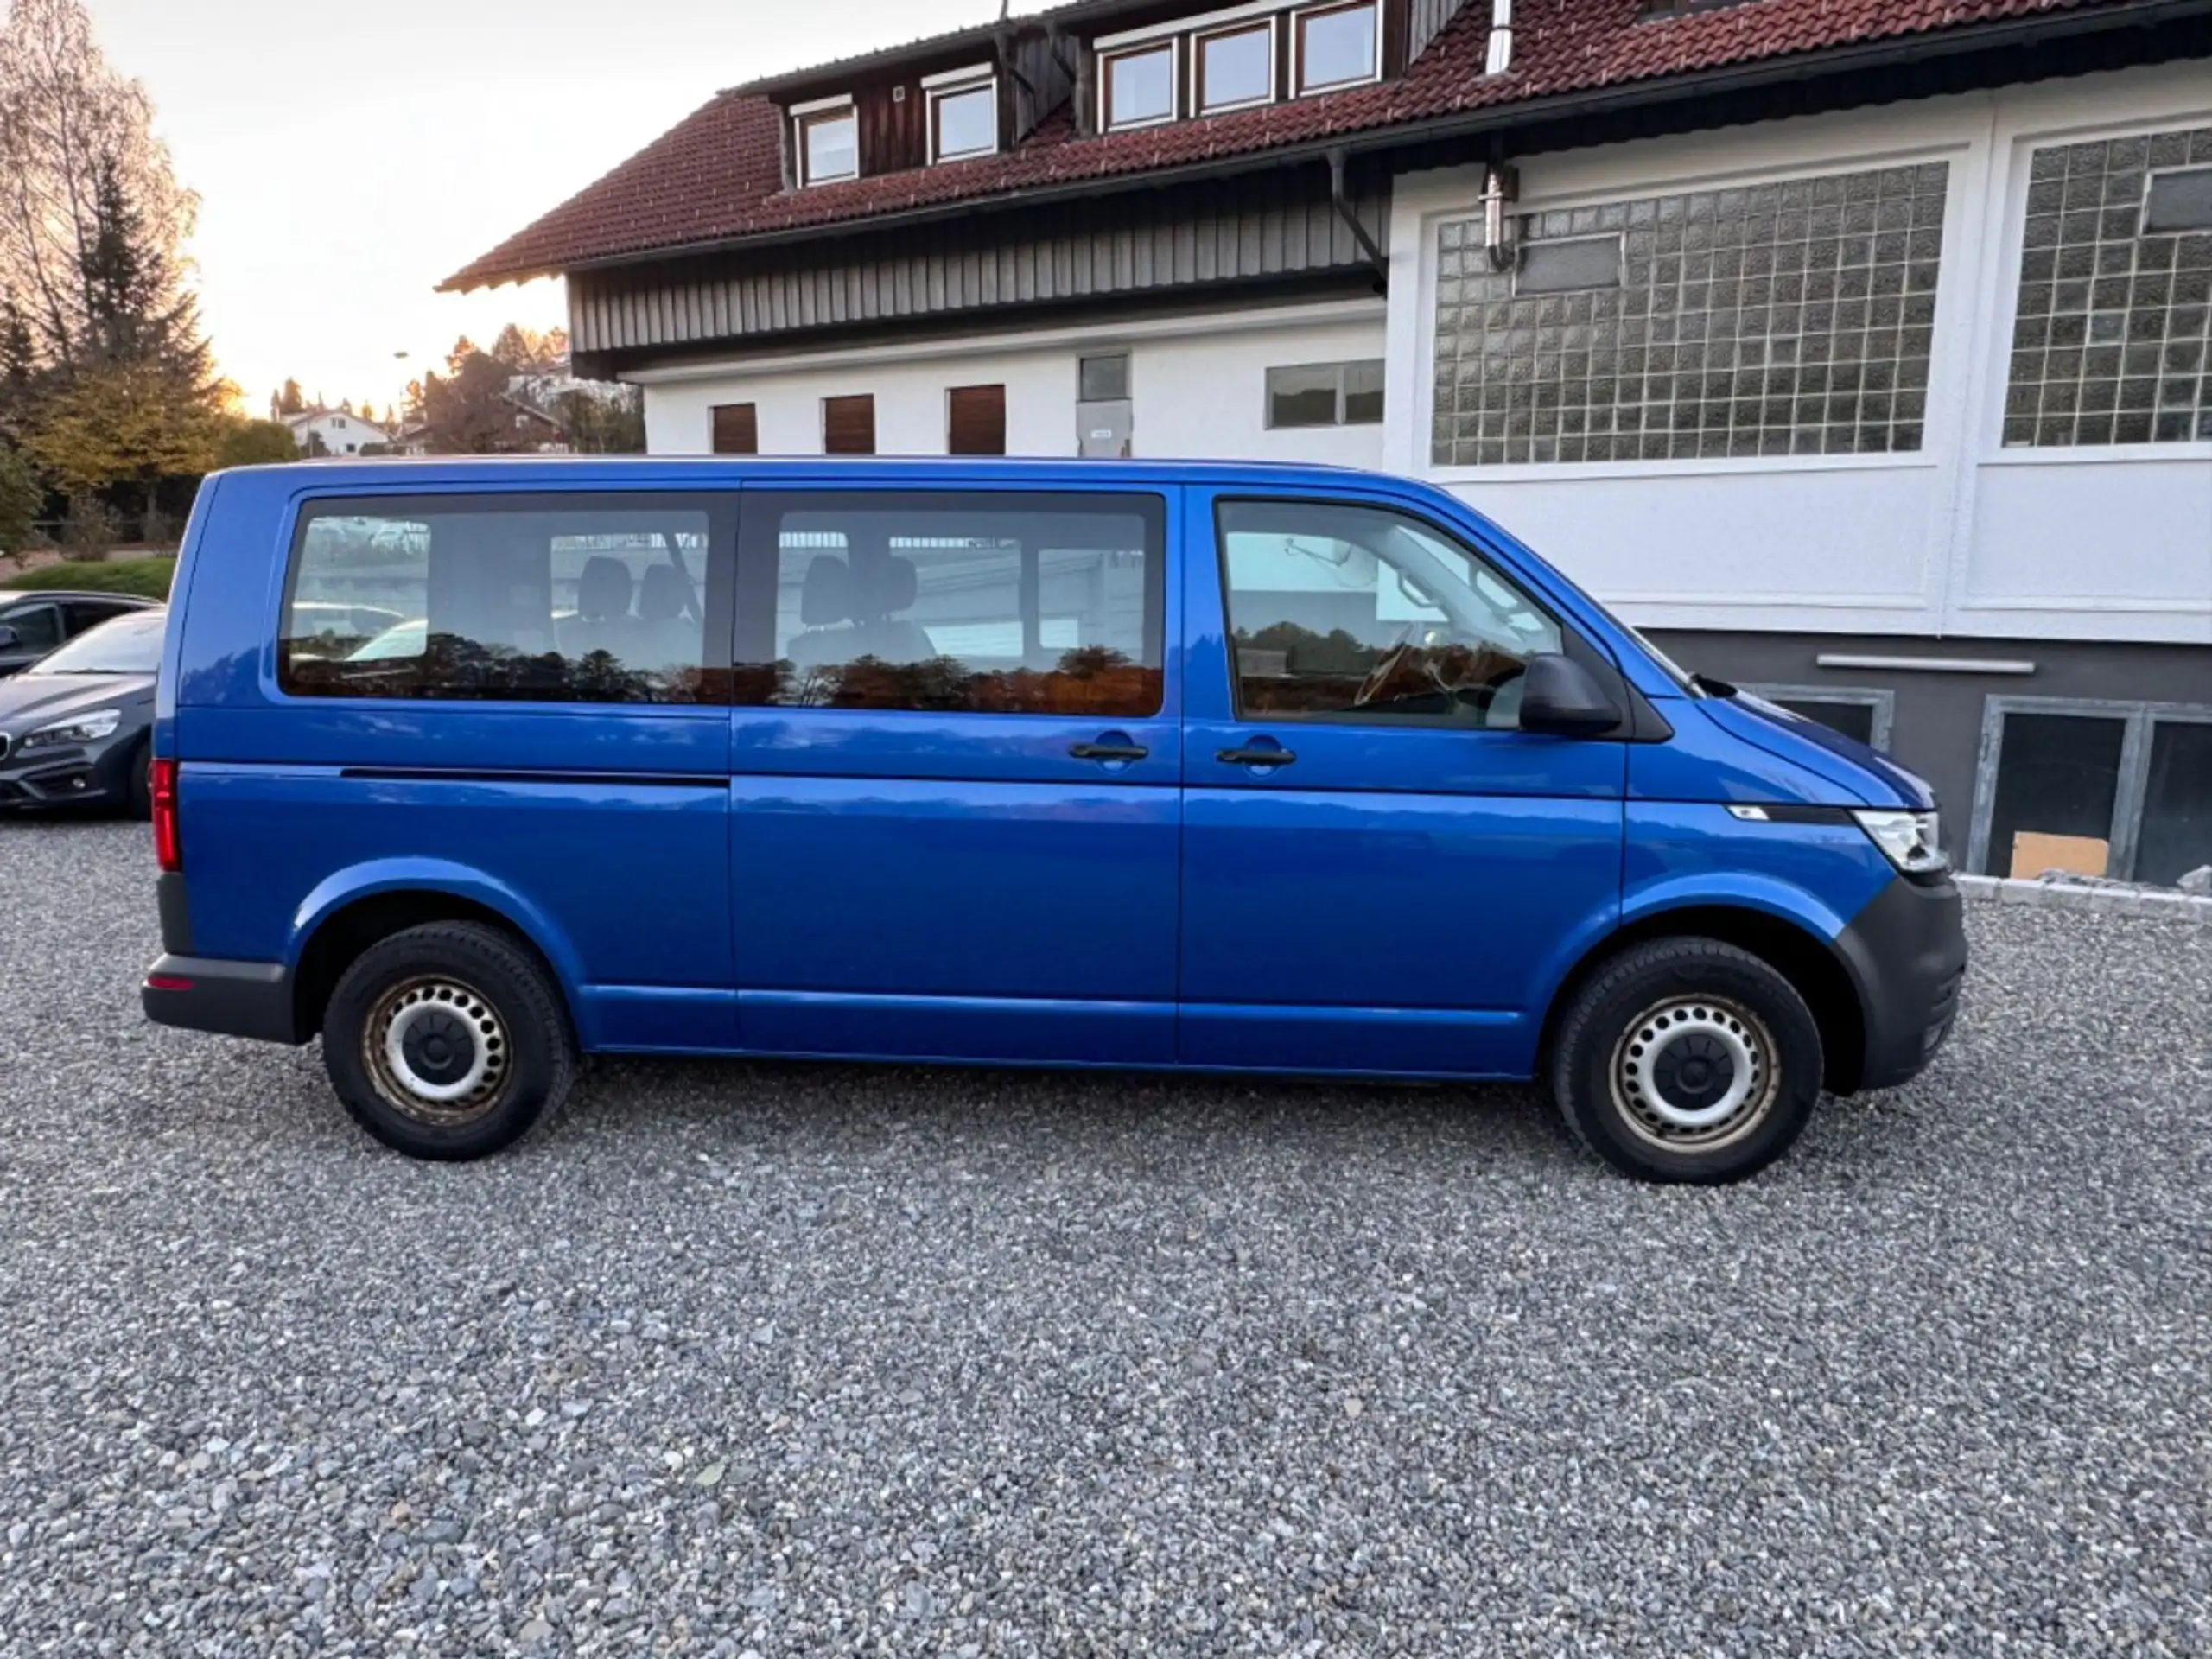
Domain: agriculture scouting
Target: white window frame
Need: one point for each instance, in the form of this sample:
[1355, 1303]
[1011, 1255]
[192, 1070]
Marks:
[1272, 23]
[2132, 791]
[958, 83]
[2012, 162]
[803, 115]
[1299, 19]
[1342, 369]
[1173, 45]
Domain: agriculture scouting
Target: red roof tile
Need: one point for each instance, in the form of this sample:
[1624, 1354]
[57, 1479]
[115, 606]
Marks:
[717, 177]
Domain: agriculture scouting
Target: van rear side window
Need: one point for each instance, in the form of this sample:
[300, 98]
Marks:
[971, 602]
[572, 599]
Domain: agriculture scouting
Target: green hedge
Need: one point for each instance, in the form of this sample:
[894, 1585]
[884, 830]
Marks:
[148, 578]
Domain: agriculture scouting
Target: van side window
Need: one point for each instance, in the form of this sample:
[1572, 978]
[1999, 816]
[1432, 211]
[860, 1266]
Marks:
[970, 602]
[565, 599]
[1348, 613]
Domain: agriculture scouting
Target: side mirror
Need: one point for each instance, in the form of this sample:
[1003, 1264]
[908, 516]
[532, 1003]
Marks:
[1561, 698]
[10, 639]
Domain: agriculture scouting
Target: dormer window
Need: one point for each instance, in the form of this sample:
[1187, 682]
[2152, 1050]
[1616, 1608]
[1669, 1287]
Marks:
[964, 114]
[1137, 87]
[1235, 67]
[829, 134]
[1339, 46]
[1236, 58]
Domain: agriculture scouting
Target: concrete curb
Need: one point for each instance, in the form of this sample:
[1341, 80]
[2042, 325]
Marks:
[2186, 909]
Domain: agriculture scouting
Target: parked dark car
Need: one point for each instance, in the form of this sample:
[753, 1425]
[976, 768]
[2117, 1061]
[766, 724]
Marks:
[74, 728]
[31, 624]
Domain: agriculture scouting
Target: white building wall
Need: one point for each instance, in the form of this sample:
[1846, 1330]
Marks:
[1198, 383]
[1965, 537]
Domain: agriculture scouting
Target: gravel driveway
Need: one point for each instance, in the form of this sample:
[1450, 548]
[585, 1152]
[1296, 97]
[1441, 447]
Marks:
[789, 1360]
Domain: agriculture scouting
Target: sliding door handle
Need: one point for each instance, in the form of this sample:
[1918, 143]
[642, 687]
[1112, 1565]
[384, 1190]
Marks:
[1126, 753]
[1257, 758]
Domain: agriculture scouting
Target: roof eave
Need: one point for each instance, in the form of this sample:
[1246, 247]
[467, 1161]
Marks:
[1658, 89]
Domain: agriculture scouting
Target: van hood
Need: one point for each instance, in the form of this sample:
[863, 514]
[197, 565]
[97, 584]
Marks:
[1868, 775]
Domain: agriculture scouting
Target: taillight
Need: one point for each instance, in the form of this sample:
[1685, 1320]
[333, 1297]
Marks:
[169, 840]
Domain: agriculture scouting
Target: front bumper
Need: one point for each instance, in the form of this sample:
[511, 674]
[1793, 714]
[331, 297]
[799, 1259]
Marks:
[62, 778]
[1907, 951]
[227, 999]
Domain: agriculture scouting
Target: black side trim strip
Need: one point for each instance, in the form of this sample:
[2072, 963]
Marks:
[1792, 814]
[431, 775]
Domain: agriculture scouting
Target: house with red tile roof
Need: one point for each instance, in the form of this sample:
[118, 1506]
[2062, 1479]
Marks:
[1858, 350]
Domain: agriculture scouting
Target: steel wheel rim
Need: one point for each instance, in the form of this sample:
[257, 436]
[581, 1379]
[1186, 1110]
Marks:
[438, 1052]
[1696, 1073]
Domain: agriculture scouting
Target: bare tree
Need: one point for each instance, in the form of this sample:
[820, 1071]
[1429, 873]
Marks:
[72, 131]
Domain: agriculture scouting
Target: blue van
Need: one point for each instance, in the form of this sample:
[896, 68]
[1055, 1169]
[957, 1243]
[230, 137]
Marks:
[474, 768]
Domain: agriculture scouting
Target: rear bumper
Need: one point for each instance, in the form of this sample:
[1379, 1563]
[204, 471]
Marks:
[227, 999]
[1908, 952]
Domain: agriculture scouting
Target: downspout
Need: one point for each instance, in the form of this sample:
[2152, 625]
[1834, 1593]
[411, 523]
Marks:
[1341, 200]
[1501, 38]
[1502, 188]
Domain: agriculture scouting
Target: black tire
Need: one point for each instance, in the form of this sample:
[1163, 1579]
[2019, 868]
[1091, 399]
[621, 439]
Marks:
[138, 781]
[452, 1005]
[1651, 1052]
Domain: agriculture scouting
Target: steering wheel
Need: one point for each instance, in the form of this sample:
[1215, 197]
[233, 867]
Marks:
[1380, 675]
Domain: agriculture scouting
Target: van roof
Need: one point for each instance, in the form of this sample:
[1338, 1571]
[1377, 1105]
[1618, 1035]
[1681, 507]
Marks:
[511, 470]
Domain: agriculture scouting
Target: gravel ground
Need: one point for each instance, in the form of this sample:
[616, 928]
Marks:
[789, 1360]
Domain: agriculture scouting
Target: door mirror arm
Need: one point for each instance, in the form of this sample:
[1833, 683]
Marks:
[1561, 698]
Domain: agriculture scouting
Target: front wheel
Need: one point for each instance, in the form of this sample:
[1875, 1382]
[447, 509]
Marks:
[1687, 1060]
[138, 781]
[449, 1042]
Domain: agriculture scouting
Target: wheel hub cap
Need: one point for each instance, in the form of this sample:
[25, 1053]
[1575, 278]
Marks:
[1695, 1072]
[438, 1050]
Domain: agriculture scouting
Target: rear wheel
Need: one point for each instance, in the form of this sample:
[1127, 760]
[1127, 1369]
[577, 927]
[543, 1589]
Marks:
[449, 1042]
[1687, 1060]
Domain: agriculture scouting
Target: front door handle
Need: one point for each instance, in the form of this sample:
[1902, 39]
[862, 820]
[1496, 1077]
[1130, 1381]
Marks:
[1127, 754]
[1257, 758]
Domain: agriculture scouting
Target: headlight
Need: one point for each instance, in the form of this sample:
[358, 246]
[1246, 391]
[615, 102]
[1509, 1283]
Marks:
[74, 732]
[1911, 840]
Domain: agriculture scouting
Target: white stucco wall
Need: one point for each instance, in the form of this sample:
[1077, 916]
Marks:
[1199, 386]
[1965, 537]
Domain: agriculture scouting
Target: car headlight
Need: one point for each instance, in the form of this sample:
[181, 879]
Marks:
[1912, 841]
[74, 733]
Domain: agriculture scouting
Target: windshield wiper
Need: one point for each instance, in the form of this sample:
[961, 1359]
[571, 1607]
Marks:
[1714, 687]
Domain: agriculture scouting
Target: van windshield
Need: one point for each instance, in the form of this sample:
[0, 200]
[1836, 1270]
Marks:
[1687, 684]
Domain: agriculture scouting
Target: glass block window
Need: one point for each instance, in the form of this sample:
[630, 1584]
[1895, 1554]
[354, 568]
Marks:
[2110, 342]
[1788, 318]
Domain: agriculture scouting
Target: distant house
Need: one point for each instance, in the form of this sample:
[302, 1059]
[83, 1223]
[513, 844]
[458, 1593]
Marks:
[535, 431]
[337, 432]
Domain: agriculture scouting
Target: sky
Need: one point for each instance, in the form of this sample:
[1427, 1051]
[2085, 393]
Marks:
[350, 155]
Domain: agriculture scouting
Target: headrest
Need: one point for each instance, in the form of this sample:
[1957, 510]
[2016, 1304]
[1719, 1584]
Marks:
[662, 595]
[604, 590]
[827, 598]
[897, 585]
